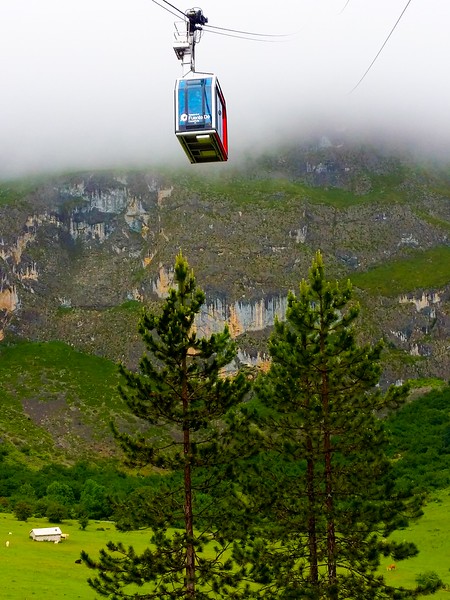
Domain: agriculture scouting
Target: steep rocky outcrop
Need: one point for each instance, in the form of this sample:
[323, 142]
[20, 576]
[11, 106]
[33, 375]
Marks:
[77, 247]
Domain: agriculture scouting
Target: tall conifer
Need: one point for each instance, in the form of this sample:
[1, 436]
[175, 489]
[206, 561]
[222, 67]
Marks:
[181, 388]
[325, 488]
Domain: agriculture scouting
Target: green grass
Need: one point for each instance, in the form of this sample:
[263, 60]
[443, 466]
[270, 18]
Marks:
[52, 368]
[35, 570]
[46, 568]
[246, 187]
[272, 192]
[58, 403]
[431, 534]
[39, 570]
[130, 306]
[421, 270]
[16, 191]
[11, 194]
[74, 386]
[432, 220]
[427, 382]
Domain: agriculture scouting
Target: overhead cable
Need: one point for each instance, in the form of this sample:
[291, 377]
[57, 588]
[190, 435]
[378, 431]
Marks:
[171, 6]
[165, 8]
[270, 35]
[345, 6]
[384, 44]
[244, 37]
[225, 30]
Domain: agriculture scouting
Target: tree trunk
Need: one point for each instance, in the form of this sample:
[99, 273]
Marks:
[189, 524]
[329, 503]
[188, 516]
[312, 531]
[331, 533]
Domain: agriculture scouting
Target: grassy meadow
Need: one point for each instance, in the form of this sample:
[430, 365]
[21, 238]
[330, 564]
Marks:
[38, 570]
[34, 570]
[421, 270]
[53, 381]
[431, 533]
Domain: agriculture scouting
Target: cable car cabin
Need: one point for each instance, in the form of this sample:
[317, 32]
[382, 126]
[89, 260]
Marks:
[201, 118]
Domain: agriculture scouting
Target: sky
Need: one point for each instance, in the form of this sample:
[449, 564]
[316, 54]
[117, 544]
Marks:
[89, 84]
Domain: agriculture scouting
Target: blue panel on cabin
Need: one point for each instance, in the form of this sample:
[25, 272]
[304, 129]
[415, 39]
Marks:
[194, 104]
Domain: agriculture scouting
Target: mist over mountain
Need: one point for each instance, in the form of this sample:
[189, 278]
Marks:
[80, 253]
[91, 86]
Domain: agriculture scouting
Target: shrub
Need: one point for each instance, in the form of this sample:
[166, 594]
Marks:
[23, 510]
[428, 582]
[56, 512]
[41, 506]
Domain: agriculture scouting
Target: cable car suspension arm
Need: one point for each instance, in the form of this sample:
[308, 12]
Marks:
[187, 34]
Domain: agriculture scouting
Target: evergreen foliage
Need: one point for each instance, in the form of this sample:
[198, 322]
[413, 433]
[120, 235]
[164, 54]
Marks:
[324, 490]
[181, 387]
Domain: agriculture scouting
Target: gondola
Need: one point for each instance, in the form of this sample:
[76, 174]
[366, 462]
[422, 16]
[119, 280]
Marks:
[201, 118]
[200, 109]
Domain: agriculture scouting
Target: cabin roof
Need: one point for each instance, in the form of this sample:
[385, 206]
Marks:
[46, 531]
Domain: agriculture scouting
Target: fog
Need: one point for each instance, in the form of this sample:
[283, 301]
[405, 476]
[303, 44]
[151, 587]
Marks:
[89, 84]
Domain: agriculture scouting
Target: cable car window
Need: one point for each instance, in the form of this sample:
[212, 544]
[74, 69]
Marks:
[194, 104]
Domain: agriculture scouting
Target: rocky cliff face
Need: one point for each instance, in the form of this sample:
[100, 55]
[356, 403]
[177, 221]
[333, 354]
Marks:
[74, 248]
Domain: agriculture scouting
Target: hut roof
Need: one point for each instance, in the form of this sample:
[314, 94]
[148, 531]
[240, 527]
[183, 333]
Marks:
[46, 531]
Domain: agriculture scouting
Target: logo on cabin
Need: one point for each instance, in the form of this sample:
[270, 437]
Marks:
[198, 118]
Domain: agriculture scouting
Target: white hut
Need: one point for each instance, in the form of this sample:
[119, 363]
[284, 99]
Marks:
[46, 534]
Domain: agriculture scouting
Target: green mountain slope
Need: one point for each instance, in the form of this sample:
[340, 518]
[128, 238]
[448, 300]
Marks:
[57, 403]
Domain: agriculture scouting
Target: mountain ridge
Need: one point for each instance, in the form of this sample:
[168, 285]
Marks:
[76, 248]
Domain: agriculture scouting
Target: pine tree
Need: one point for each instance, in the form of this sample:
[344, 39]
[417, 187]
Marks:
[181, 389]
[325, 486]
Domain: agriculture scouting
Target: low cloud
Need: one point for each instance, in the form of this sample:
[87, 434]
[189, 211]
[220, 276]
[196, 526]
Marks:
[90, 84]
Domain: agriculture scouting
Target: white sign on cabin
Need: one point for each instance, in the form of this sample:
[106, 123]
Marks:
[46, 534]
